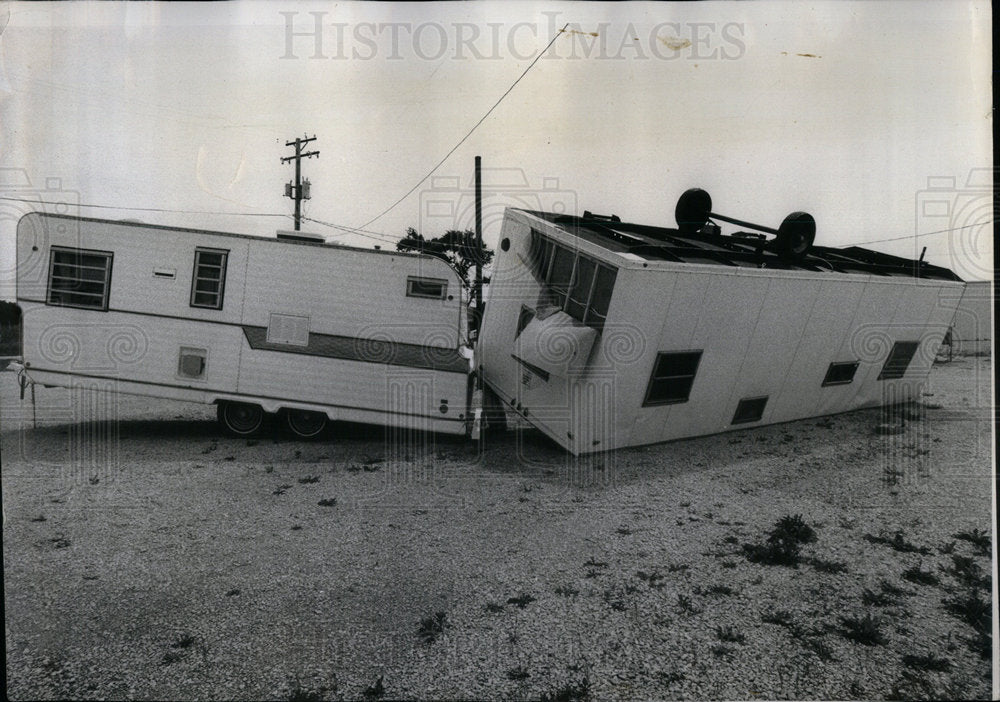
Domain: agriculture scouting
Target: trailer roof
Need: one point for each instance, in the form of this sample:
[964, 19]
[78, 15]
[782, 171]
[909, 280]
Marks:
[188, 230]
[744, 249]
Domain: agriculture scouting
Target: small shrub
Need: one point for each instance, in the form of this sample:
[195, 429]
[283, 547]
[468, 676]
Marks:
[967, 572]
[304, 694]
[685, 605]
[671, 677]
[920, 576]
[567, 591]
[522, 600]
[171, 657]
[948, 548]
[786, 554]
[327, 502]
[792, 529]
[979, 539]
[971, 609]
[728, 564]
[870, 598]
[309, 479]
[864, 630]
[375, 691]
[39, 518]
[721, 650]
[677, 567]
[432, 627]
[652, 579]
[233, 593]
[729, 634]
[518, 674]
[493, 607]
[825, 566]
[185, 641]
[819, 647]
[570, 692]
[929, 662]
[898, 542]
[596, 564]
[781, 617]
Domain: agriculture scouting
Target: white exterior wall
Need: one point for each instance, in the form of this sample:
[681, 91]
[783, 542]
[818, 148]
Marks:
[344, 292]
[761, 332]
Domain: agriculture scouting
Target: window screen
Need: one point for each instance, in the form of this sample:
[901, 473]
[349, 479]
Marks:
[576, 283]
[430, 288]
[672, 378]
[208, 283]
[750, 409]
[840, 373]
[899, 360]
[79, 278]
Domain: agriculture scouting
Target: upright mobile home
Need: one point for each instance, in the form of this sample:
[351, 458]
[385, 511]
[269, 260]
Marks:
[289, 325]
[605, 334]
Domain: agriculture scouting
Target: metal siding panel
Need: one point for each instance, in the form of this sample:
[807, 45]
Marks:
[830, 320]
[351, 293]
[780, 329]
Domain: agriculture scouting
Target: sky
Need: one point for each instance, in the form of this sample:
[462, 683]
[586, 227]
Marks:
[875, 117]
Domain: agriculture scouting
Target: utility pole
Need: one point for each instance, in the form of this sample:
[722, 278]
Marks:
[479, 244]
[299, 190]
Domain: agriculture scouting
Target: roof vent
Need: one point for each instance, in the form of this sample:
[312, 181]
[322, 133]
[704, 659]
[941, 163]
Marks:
[286, 235]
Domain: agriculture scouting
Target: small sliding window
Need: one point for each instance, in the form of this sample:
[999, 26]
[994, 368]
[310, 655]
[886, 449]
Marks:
[79, 278]
[208, 282]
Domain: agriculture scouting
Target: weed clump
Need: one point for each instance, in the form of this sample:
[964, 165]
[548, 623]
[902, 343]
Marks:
[783, 543]
[432, 627]
[864, 630]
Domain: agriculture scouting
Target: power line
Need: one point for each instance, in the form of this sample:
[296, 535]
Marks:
[142, 209]
[469, 133]
[914, 236]
[376, 236]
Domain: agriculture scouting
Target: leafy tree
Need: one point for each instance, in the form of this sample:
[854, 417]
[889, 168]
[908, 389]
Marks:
[456, 247]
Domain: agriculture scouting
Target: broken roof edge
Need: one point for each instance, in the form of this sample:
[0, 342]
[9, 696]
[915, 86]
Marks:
[666, 244]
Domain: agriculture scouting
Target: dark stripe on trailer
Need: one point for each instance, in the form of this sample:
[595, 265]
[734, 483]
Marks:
[227, 393]
[351, 348]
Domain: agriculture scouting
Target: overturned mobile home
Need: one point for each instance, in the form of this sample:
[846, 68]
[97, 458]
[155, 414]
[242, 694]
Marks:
[605, 334]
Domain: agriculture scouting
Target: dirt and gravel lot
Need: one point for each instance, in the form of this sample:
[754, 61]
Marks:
[146, 556]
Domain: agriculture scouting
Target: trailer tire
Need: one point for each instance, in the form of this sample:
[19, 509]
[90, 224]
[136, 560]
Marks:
[240, 418]
[305, 424]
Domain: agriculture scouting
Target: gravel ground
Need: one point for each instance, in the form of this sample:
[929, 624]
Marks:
[149, 557]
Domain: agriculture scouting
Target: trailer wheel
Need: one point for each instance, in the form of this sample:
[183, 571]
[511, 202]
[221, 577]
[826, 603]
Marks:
[240, 418]
[304, 423]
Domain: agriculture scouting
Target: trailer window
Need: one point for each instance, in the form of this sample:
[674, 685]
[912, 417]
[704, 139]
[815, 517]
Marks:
[750, 409]
[840, 373]
[209, 279]
[79, 278]
[575, 283]
[672, 378]
[431, 288]
[898, 360]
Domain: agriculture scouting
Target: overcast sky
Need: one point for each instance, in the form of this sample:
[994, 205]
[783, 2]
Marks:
[872, 116]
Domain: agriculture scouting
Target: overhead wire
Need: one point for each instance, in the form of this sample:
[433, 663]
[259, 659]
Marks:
[469, 133]
[143, 209]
